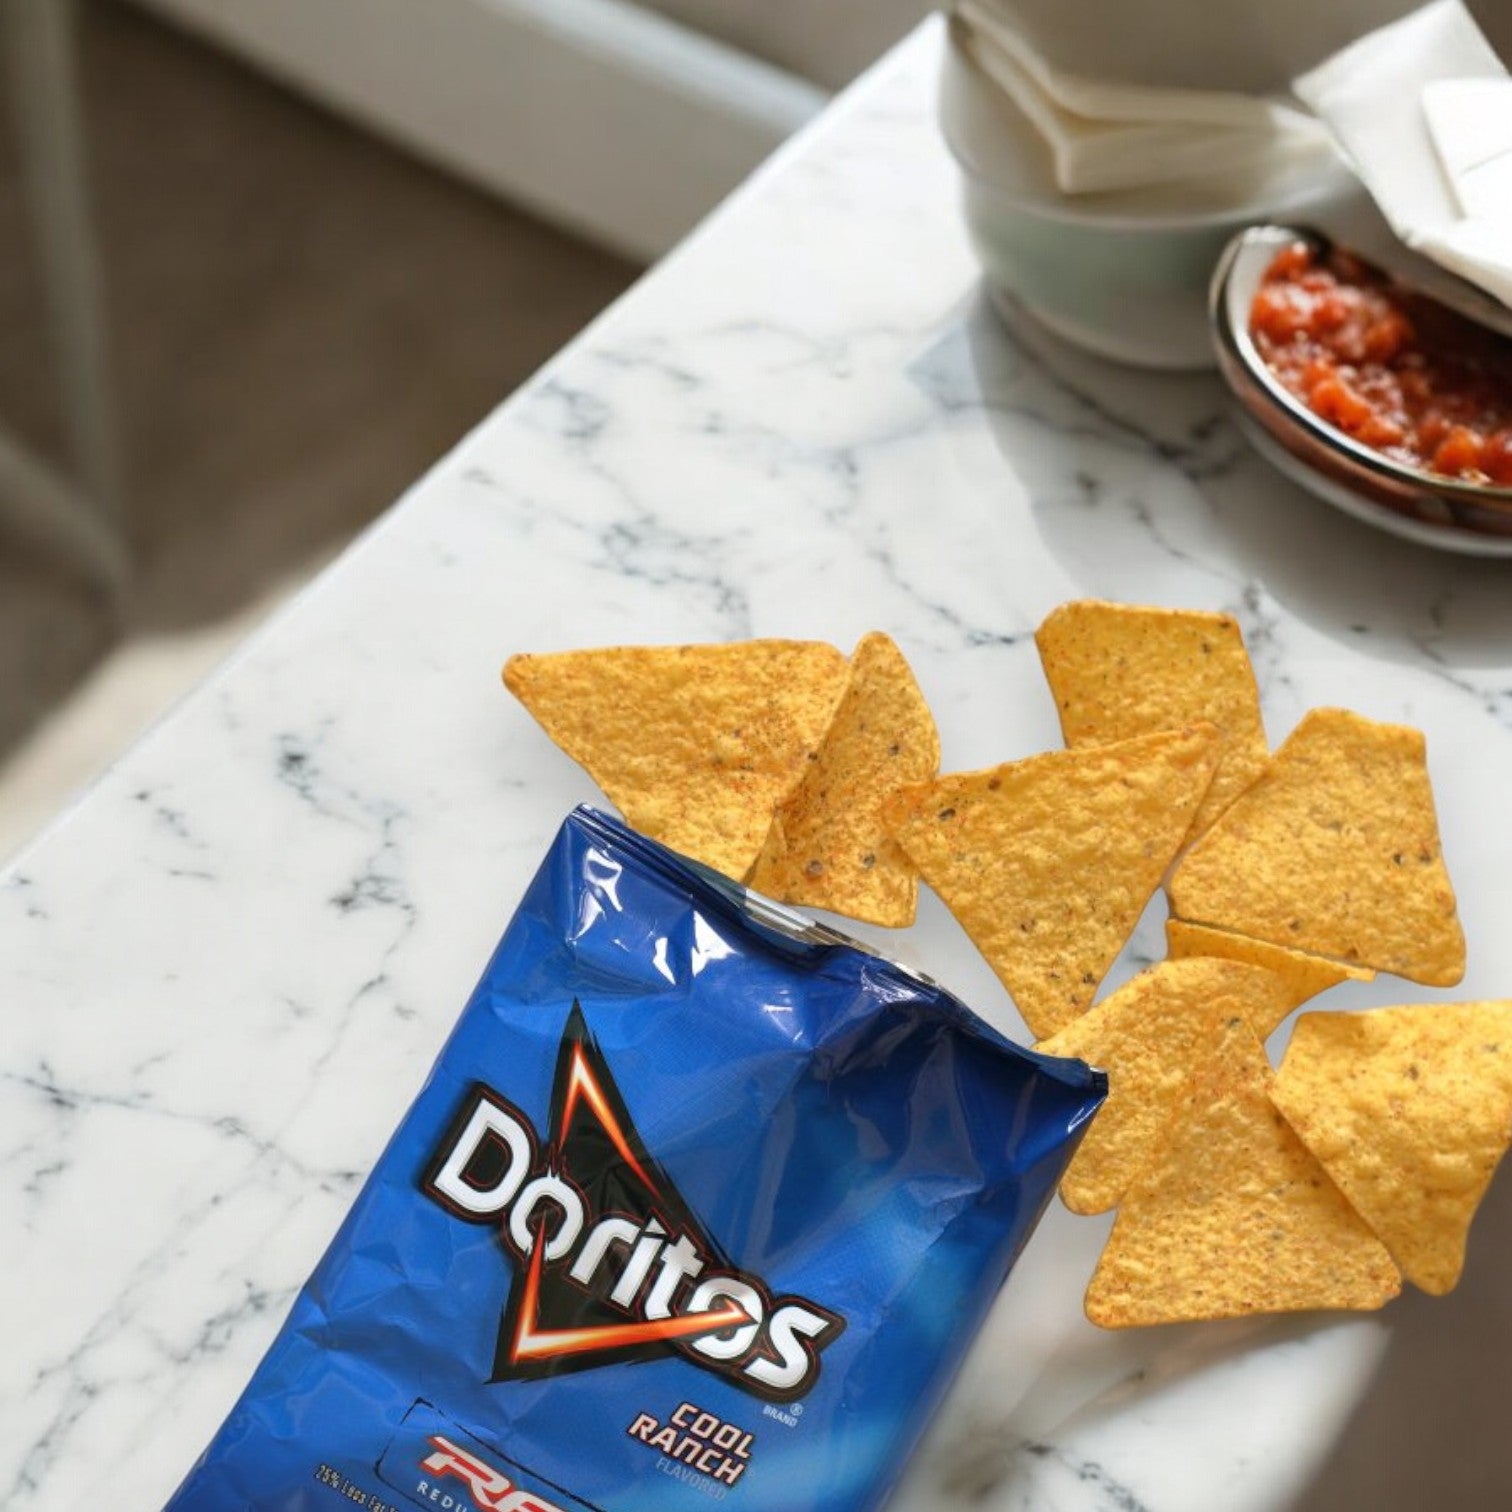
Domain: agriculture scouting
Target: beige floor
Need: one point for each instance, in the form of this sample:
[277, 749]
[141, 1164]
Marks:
[302, 321]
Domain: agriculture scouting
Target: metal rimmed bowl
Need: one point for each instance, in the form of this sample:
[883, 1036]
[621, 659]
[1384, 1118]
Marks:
[1447, 513]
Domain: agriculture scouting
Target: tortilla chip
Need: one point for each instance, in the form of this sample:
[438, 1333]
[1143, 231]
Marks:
[1408, 1110]
[1048, 863]
[1335, 850]
[1305, 975]
[1118, 670]
[1151, 1036]
[696, 745]
[827, 847]
[1233, 1216]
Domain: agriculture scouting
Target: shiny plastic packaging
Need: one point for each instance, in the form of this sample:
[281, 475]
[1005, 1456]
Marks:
[700, 1202]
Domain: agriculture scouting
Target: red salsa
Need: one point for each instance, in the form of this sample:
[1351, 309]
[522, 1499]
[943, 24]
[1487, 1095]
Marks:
[1394, 369]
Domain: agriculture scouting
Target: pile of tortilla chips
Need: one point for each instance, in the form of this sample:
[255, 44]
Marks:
[1239, 1190]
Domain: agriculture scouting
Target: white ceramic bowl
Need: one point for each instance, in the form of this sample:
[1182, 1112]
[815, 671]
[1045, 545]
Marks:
[1124, 274]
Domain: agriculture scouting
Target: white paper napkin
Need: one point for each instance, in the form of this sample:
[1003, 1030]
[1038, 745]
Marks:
[1423, 110]
[1103, 136]
[1470, 121]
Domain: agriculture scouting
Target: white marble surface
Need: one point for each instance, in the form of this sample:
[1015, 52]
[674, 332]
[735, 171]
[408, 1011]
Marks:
[227, 970]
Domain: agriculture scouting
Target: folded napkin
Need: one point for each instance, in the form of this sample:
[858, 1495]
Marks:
[1423, 110]
[1113, 135]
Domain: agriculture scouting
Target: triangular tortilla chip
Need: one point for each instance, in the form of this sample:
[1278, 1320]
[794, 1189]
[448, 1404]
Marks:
[1335, 850]
[1408, 1110]
[1305, 975]
[1118, 670]
[1233, 1216]
[827, 847]
[697, 745]
[1048, 863]
[1151, 1036]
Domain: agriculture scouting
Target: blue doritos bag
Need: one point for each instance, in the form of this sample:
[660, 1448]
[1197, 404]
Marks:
[700, 1201]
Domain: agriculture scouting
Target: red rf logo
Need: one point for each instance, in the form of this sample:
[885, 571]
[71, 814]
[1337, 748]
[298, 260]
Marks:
[491, 1489]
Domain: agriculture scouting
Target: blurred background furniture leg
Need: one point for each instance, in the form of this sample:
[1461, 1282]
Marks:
[77, 519]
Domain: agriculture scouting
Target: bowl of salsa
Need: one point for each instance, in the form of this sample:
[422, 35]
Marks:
[1373, 395]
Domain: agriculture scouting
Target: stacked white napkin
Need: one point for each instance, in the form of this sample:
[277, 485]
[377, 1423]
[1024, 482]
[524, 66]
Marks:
[1422, 106]
[1105, 135]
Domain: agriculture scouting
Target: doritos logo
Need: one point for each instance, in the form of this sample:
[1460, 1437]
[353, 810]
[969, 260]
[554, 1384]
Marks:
[611, 1265]
[491, 1489]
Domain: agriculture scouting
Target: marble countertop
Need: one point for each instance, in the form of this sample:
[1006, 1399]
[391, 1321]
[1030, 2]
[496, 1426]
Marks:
[227, 970]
